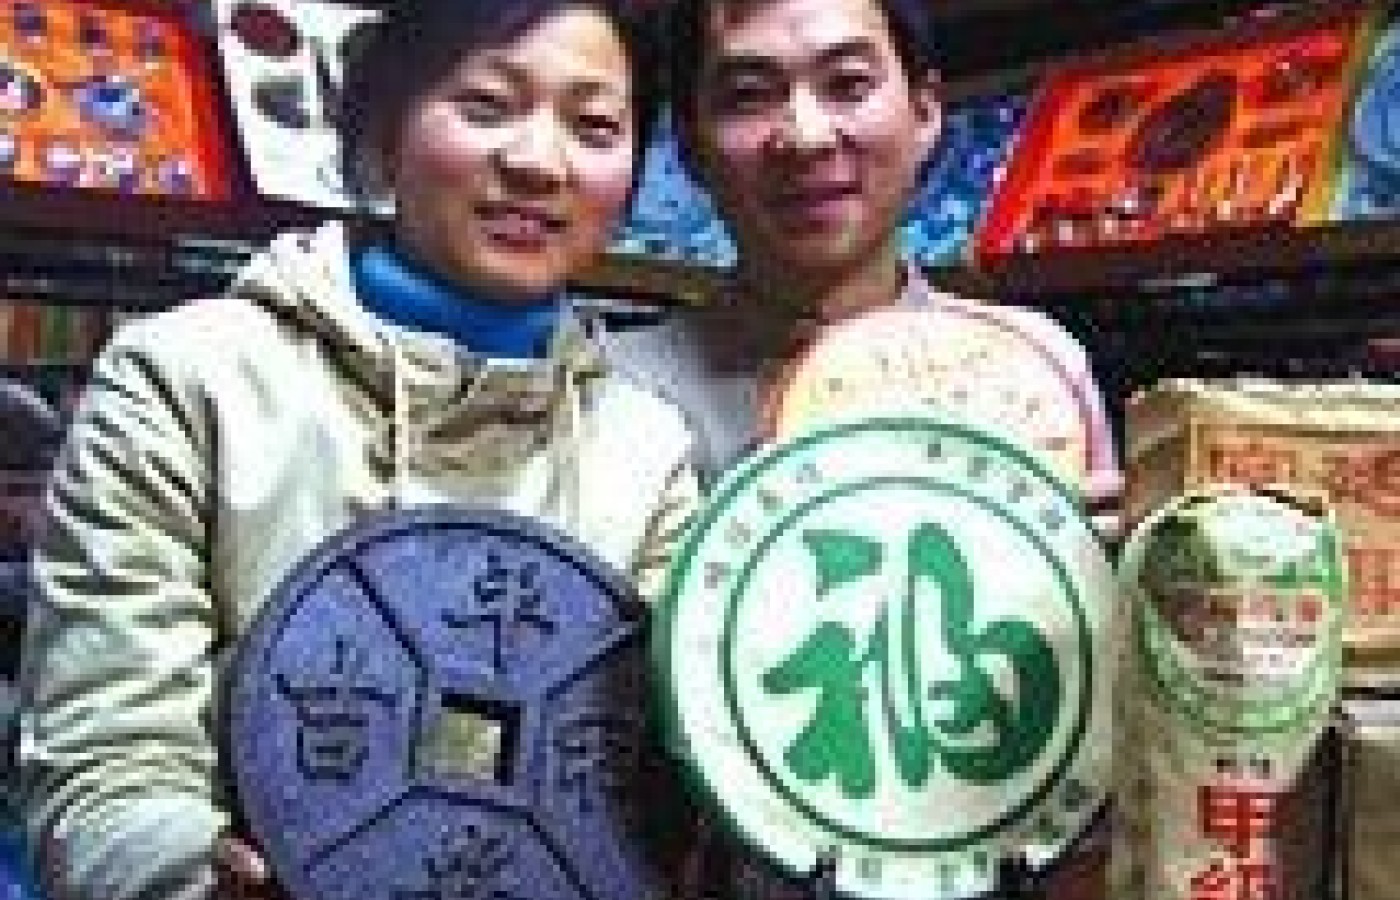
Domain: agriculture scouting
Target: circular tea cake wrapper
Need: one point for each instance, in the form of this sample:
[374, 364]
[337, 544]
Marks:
[1238, 601]
[448, 703]
[968, 361]
[889, 638]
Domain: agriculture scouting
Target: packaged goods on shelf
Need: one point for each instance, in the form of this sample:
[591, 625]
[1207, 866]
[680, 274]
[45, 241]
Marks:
[1373, 771]
[1339, 441]
[1203, 133]
[105, 95]
[1232, 655]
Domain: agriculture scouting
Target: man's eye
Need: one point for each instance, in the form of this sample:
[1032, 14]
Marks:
[746, 96]
[850, 86]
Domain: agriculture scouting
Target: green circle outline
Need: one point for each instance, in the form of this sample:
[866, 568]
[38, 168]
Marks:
[1321, 676]
[1076, 605]
[740, 477]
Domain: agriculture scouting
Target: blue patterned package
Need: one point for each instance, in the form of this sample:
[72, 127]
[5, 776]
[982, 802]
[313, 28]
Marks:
[15, 884]
[1368, 177]
[448, 703]
[672, 218]
[978, 134]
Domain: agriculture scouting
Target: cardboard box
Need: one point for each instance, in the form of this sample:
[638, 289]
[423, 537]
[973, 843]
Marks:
[1373, 773]
[1338, 442]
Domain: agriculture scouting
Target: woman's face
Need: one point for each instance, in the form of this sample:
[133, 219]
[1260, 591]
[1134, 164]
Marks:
[510, 172]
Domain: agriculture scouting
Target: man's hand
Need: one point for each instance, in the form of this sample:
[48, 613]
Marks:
[1103, 499]
[242, 873]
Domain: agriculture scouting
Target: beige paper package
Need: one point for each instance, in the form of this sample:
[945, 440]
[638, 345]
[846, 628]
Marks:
[1373, 772]
[1338, 441]
[1232, 658]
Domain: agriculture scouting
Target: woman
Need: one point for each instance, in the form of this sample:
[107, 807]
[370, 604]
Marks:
[222, 441]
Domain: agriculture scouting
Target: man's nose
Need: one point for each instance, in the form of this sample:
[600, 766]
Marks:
[807, 125]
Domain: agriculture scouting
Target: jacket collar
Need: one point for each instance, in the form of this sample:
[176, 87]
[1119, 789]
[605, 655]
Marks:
[305, 278]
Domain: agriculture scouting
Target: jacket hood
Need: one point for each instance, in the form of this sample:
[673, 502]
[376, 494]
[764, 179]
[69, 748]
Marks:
[303, 278]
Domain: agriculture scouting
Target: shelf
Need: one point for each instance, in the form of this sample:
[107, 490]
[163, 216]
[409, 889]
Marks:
[1184, 261]
[93, 214]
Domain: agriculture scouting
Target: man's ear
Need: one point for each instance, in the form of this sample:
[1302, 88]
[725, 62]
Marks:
[928, 106]
[692, 153]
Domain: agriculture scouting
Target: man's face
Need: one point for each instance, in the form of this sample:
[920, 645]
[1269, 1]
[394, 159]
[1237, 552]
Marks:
[808, 130]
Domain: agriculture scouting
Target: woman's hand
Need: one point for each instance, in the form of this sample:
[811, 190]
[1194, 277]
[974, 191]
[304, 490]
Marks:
[242, 872]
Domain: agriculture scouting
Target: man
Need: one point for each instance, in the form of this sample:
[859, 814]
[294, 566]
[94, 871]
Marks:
[809, 121]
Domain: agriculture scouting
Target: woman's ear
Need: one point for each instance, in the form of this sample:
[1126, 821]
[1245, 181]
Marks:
[369, 173]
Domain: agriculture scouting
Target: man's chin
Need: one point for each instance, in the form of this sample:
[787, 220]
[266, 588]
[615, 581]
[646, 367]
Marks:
[820, 257]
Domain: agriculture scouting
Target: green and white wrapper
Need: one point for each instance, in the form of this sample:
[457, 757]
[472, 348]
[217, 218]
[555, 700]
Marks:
[890, 638]
[1232, 671]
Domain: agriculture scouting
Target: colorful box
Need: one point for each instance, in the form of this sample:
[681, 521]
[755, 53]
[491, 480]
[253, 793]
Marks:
[1206, 133]
[1368, 158]
[283, 64]
[108, 95]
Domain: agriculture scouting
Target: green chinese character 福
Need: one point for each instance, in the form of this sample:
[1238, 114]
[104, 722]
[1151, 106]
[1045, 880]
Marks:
[836, 742]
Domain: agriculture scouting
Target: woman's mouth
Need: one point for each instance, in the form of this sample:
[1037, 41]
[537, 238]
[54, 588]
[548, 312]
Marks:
[520, 226]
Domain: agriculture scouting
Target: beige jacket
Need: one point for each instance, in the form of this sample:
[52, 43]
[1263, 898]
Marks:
[217, 445]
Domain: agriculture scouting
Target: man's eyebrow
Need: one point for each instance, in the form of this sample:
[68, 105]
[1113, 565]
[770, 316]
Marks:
[745, 64]
[497, 64]
[844, 49]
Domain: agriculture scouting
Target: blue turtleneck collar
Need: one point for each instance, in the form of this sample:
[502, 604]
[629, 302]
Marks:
[401, 292]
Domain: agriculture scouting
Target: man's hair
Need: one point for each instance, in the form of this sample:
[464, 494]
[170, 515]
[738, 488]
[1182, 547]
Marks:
[414, 44]
[910, 24]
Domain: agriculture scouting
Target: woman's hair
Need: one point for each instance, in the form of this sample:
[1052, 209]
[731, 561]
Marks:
[414, 44]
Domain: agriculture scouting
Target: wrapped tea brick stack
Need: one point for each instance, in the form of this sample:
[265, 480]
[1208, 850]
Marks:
[1235, 600]
[1336, 446]
[1339, 442]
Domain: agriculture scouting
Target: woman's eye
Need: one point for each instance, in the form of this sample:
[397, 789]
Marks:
[485, 107]
[598, 130]
[745, 96]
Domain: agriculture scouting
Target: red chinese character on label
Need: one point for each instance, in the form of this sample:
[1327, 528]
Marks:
[1251, 463]
[1237, 815]
[1215, 883]
[1375, 580]
[1369, 478]
[1309, 607]
[1243, 881]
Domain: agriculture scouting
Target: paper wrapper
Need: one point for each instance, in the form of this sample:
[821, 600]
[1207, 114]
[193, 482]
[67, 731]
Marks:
[972, 361]
[1338, 441]
[1231, 673]
[1373, 772]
